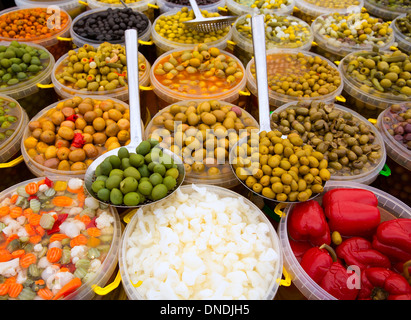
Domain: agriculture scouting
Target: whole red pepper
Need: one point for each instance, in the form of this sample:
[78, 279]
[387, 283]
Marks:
[347, 194]
[393, 238]
[322, 266]
[383, 284]
[307, 222]
[357, 251]
[299, 248]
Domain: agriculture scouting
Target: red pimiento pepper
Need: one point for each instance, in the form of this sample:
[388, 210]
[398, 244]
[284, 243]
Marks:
[321, 264]
[72, 118]
[56, 226]
[307, 222]
[383, 284]
[347, 194]
[357, 251]
[393, 238]
[78, 140]
[299, 248]
[352, 218]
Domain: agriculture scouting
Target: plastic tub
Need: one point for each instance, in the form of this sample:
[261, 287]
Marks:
[39, 170]
[404, 42]
[27, 93]
[278, 99]
[52, 43]
[365, 100]
[195, 172]
[112, 232]
[166, 6]
[120, 93]
[390, 206]
[167, 96]
[244, 44]
[334, 49]
[143, 6]
[9, 146]
[80, 41]
[164, 45]
[73, 7]
[366, 177]
[382, 10]
[240, 7]
[308, 10]
[134, 293]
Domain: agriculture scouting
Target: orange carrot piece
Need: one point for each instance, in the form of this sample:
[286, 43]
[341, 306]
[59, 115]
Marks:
[35, 239]
[34, 219]
[40, 230]
[12, 237]
[94, 232]
[16, 212]
[4, 211]
[27, 212]
[62, 201]
[10, 280]
[45, 293]
[79, 190]
[15, 289]
[30, 230]
[13, 198]
[4, 288]
[18, 253]
[27, 260]
[57, 237]
[85, 219]
[32, 188]
[5, 255]
[54, 254]
[78, 240]
[68, 288]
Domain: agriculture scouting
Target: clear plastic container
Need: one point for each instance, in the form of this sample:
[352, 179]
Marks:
[244, 44]
[134, 293]
[166, 6]
[308, 10]
[39, 170]
[333, 49]
[144, 6]
[11, 145]
[52, 43]
[240, 7]
[108, 261]
[395, 150]
[404, 42]
[164, 45]
[167, 96]
[366, 177]
[383, 11]
[390, 206]
[278, 99]
[80, 41]
[366, 101]
[73, 7]
[223, 175]
[118, 93]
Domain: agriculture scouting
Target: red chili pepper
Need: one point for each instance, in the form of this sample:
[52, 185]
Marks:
[48, 182]
[92, 223]
[321, 264]
[307, 222]
[120, 74]
[78, 140]
[73, 118]
[383, 284]
[346, 194]
[32, 197]
[357, 251]
[299, 248]
[393, 238]
[60, 219]
[351, 218]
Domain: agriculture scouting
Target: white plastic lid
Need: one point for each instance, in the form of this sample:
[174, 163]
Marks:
[11, 145]
[246, 42]
[277, 99]
[395, 150]
[108, 259]
[171, 96]
[45, 42]
[366, 177]
[134, 293]
[334, 46]
[308, 287]
[315, 8]
[80, 41]
[28, 87]
[241, 7]
[226, 177]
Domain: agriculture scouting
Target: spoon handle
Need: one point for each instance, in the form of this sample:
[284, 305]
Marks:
[136, 134]
[196, 9]
[258, 31]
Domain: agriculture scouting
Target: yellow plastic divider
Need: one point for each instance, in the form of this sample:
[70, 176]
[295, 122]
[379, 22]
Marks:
[12, 163]
[45, 86]
[278, 209]
[149, 88]
[110, 287]
[244, 92]
[64, 39]
[83, 3]
[340, 99]
[286, 282]
[152, 6]
[146, 43]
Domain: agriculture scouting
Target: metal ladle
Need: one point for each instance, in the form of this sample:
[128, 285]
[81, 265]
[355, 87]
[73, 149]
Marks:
[136, 135]
[258, 33]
